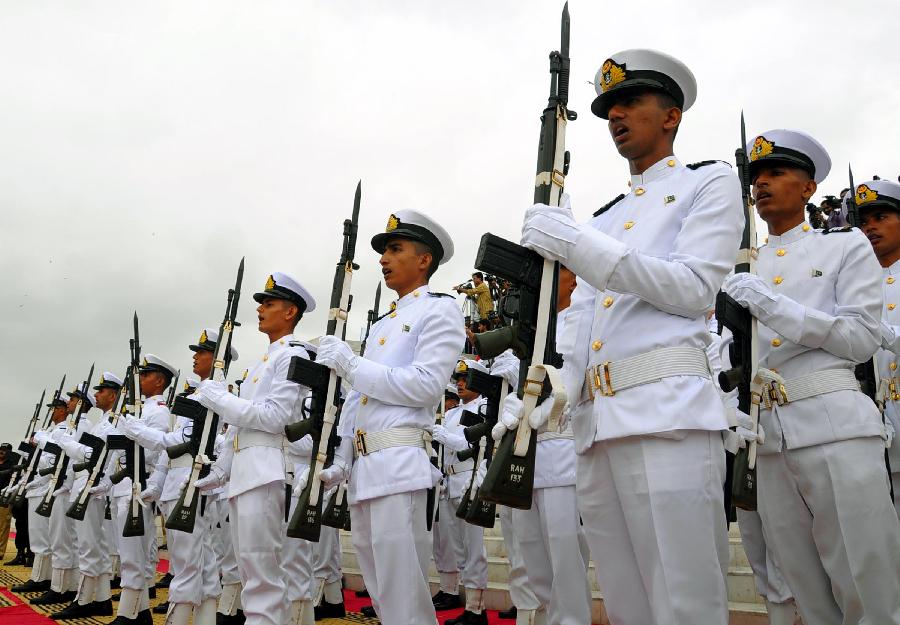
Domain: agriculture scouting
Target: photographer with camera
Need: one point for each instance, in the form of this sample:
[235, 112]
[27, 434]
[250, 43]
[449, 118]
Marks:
[480, 293]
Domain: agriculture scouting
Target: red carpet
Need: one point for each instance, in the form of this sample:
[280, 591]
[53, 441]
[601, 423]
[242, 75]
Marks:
[355, 604]
[20, 613]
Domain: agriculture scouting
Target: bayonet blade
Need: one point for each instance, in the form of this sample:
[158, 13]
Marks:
[356, 202]
[62, 384]
[743, 133]
[852, 186]
[377, 299]
[137, 342]
[566, 27]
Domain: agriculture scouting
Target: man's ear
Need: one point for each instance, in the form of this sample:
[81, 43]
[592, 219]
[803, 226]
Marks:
[672, 119]
[809, 189]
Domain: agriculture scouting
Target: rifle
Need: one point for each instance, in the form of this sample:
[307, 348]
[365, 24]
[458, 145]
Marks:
[473, 431]
[202, 442]
[743, 351]
[493, 388]
[371, 318]
[134, 454]
[34, 454]
[325, 391]
[61, 464]
[173, 390]
[438, 461]
[22, 463]
[510, 478]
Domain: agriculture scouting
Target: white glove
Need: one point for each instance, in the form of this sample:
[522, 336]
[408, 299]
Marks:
[337, 355]
[506, 366]
[747, 436]
[214, 480]
[551, 231]
[40, 438]
[888, 336]
[150, 494]
[889, 433]
[510, 415]
[131, 427]
[37, 482]
[60, 491]
[453, 442]
[209, 393]
[334, 475]
[101, 489]
[300, 482]
[750, 291]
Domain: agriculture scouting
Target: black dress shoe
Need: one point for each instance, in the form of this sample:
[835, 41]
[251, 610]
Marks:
[369, 611]
[512, 613]
[230, 619]
[330, 610]
[152, 593]
[165, 581]
[162, 608]
[20, 560]
[75, 610]
[115, 583]
[32, 586]
[145, 618]
[469, 618]
[51, 597]
[447, 602]
[362, 594]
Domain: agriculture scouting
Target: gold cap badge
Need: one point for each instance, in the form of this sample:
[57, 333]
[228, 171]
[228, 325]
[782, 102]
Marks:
[461, 366]
[187, 386]
[270, 284]
[761, 148]
[611, 75]
[101, 379]
[145, 363]
[203, 338]
[864, 194]
[392, 223]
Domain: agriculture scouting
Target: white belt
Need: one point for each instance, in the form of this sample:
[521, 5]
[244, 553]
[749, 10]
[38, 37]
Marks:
[609, 378]
[777, 390]
[181, 462]
[552, 436]
[367, 443]
[461, 467]
[256, 438]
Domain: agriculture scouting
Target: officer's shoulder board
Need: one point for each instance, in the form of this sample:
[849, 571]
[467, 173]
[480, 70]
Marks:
[841, 229]
[609, 205]
[436, 294]
[295, 344]
[698, 165]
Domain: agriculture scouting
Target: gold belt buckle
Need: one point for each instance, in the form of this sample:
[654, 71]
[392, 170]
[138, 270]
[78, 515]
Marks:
[361, 443]
[235, 441]
[604, 383]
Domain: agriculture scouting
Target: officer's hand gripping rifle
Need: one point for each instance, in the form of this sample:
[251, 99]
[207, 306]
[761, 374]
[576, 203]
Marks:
[510, 478]
[27, 449]
[306, 521]
[743, 351]
[61, 464]
[32, 451]
[202, 443]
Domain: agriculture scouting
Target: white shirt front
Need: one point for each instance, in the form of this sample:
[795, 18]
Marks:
[887, 359]
[410, 355]
[457, 483]
[681, 230]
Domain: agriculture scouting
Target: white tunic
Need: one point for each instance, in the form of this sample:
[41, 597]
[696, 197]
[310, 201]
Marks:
[154, 414]
[410, 355]
[268, 402]
[680, 229]
[887, 359]
[457, 483]
[837, 277]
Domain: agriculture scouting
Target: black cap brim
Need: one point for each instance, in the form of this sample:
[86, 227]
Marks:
[280, 293]
[205, 347]
[785, 160]
[111, 385]
[413, 233]
[601, 104]
[883, 201]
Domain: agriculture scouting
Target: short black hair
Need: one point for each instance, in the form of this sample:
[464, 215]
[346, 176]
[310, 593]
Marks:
[424, 248]
[478, 275]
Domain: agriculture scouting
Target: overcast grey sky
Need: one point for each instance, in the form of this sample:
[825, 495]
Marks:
[146, 147]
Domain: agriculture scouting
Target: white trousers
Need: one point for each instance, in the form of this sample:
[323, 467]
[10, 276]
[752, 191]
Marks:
[257, 531]
[448, 552]
[654, 519]
[109, 527]
[556, 554]
[327, 556]
[187, 555]
[298, 563]
[211, 587]
[228, 566]
[38, 528]
[93, 550]
[834, 531]
[770, 582]
[895, 480]
[521, 592]
[63, 540]
[470, 538]
[393, 548]
[135, 552]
